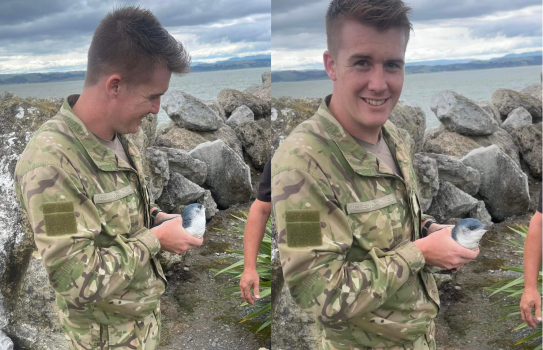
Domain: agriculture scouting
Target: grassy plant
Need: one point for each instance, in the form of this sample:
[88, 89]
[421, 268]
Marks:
[514, 287]
[263, 267]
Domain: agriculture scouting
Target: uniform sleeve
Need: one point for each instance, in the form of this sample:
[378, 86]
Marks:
[314, 239]
[65, 224]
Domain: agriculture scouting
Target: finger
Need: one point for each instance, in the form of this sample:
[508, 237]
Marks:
[256, 289]
[469, 254]
[538, 310]
[527, 316]
[246, 294]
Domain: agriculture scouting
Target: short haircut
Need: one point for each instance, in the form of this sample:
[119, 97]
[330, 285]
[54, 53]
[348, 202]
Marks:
[381, 14]
[131, 41]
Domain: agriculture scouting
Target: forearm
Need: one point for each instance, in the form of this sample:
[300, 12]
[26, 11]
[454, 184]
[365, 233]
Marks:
[532, 253]
[254, 232]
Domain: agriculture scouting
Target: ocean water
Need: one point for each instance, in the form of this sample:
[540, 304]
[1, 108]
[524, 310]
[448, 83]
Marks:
[204, 85]
[419, 89]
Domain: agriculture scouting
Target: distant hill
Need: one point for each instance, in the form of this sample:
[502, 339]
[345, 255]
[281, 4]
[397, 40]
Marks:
[513, 60]
[232, 64]
[40, 77]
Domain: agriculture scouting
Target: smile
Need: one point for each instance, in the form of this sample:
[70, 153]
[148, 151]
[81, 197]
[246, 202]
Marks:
[375, 102]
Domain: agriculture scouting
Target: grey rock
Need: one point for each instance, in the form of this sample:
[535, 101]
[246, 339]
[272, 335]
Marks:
[507, 100]
[412, 119]
[181, 162]
[228, 177]
[256, 140]
[480, 213]
[450, 202]
[528, 140]
[442, 279]
[168, 260]
[145, 135]
[456, 145]
[216, 106]
[266, 77]
[209, 203]
[287, 113]
[492, 110]
[5, 342]
[263, 91]
[504, 187]
[533, 90]
[231, 99]
[179, 190]
[462, 115]
[517, 117]
[240, 115]
[157, 172]
[190, 112]
[428, 179]
[454, 171]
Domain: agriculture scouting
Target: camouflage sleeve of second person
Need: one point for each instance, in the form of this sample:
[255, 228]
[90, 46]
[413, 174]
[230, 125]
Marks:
[65, 224]
[320, 279]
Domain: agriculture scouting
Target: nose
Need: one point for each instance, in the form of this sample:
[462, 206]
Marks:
[377, 82]
[155, 106]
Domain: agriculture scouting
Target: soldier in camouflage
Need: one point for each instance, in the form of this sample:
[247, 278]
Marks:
[87, 201]
[345, 196]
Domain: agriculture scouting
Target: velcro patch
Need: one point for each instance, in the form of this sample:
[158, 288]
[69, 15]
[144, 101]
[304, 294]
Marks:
[303, 228]
[59, 218]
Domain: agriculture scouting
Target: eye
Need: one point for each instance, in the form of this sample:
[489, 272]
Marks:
[361, 63]
[393, 65]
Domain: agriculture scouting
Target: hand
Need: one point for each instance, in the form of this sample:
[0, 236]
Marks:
[437, 227]
[174, 238]
[249, 279]
[531, 299]
[439, 249]
[164, 216]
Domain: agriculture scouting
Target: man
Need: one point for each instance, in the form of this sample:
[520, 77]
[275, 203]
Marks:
[531, 299]
[345, 196]
[253, 235]
[81, 185]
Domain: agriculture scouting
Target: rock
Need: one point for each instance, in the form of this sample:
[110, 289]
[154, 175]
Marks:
[266, 77]
[180, 138]
[157, 172]
[492, 110]
[507, 100]
[504, 187]
[456, 145]
[207, 201]
[450, 202]
[462, 115]
[528, 140]
[228, 177]
[412, 119]
[533, 90]
[168, 260]
[179, 190]
[287, 113]
[5, 342]
[256, 140]
[214, 105]
[428, 179]
[263, 92]
[231, 99]
[442, 279]
[518, 117]
[240, 115]
[190, 112]
[181, 162]
[145, 135]
[454, 171]
[480, 213]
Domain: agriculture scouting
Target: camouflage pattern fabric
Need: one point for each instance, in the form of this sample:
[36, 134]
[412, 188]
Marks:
[345, 227]
[90, 215]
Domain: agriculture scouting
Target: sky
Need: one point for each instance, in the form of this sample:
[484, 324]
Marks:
[55, 35]
[443, 29]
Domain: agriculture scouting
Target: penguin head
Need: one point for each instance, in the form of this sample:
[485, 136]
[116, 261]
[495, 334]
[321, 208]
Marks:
[194, 219]
[468, 232]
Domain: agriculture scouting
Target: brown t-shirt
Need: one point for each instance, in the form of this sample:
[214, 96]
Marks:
[381, 151]
[117, 148]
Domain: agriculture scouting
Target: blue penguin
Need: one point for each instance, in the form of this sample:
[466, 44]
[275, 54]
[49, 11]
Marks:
[468, 232]
[194, 219]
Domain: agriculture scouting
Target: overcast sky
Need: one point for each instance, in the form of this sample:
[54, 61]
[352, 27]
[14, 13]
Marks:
[54, 35]
[443, 29]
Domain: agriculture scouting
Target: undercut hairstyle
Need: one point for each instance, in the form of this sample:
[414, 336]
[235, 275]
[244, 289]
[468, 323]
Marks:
[131, 42]
[380, 14]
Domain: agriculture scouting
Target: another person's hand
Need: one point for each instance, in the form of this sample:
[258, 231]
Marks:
[174, 238]
[531, 299]
[249, 279]
[439, 249]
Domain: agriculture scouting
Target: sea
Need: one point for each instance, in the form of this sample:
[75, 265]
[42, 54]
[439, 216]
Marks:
[203, 85]
[419, 89]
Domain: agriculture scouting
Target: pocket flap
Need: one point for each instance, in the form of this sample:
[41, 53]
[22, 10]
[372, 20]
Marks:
[364, 207]
[113, 196]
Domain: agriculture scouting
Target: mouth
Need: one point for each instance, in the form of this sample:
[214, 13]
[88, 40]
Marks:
[375, 103]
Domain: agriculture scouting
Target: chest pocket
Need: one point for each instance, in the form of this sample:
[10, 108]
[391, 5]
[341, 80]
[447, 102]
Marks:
[118, 212]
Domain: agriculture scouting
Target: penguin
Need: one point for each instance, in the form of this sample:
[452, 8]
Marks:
[194, 219]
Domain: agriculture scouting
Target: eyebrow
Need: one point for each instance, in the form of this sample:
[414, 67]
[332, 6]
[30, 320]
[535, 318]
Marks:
[365, 57]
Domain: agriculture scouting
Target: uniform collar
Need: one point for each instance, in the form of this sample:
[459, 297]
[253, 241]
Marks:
[104, 158]
[361, 161]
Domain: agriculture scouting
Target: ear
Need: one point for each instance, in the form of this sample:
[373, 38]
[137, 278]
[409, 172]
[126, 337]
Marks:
[113, 85]
[329, 65]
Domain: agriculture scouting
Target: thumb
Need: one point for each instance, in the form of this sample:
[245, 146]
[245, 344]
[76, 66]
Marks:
[256, 290]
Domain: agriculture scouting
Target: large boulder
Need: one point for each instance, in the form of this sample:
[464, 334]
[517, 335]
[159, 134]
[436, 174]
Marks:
[263, 91]
[428, 179]
[209, 203]
[179, 190]
[231, 99]
[412, 119]
[507, 100]
[240, 115]
[518, 117]
[492, 110]
[181, 162]
[454, 171]
[146, 135]
[528, 140]
[504, 187]
[256, 140]
[480, 213]
[228, 177]
[190, 112]
[287, 113]
[216, 106]
[450, 202]
[445, 142]
[157, 171]
[533, 90]
[462, 115]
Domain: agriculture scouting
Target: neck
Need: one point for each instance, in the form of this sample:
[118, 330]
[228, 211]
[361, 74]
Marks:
[90, 110]
[370, 135]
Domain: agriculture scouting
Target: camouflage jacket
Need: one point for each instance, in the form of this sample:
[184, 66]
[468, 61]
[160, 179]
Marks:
[90, 215]
[345, 228]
